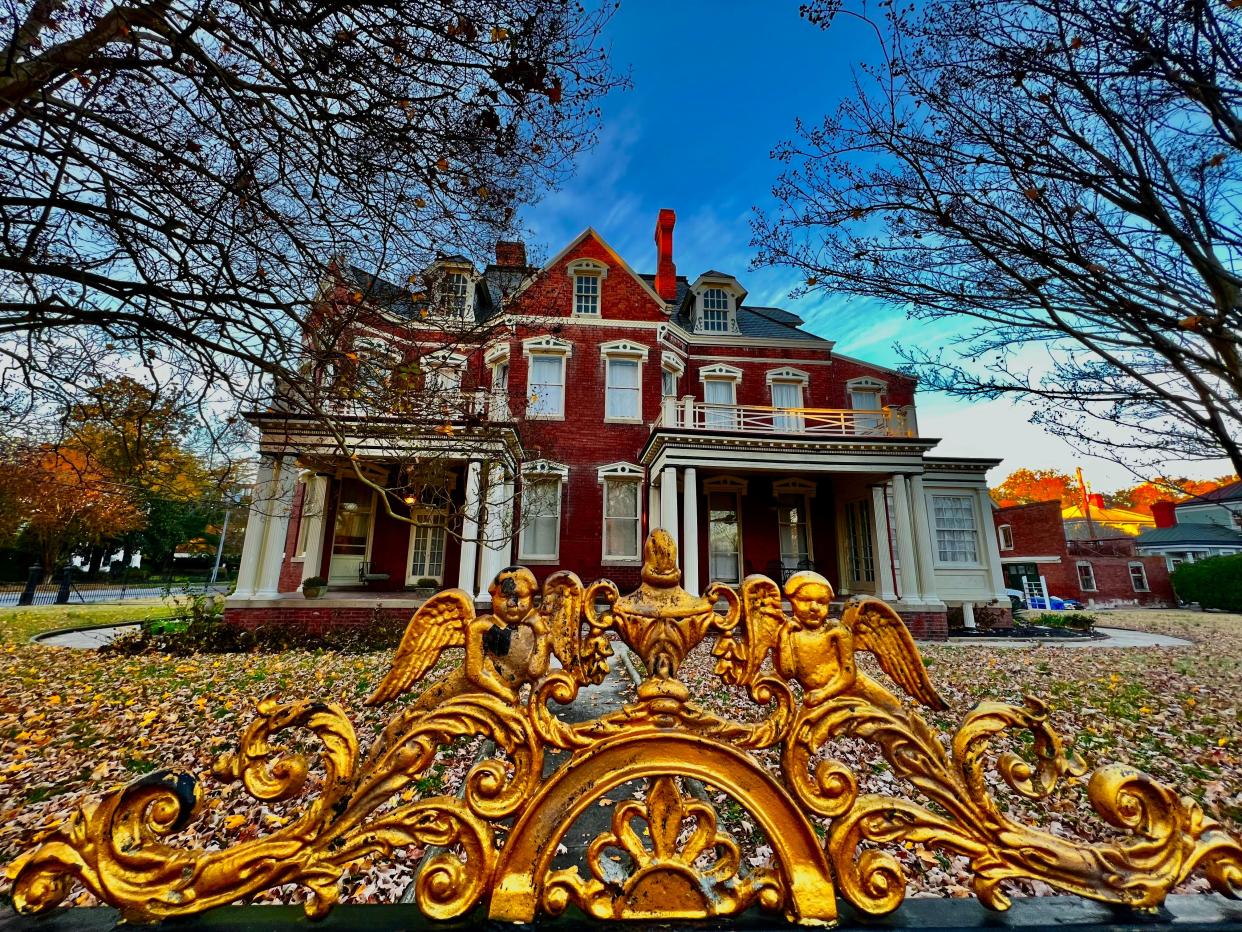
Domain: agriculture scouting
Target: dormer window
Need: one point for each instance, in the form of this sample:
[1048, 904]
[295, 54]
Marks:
[456, 293]
[717, 296]
[716, 310]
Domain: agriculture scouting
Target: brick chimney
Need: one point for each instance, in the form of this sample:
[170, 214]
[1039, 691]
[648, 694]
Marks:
[666, 271]
[1095, 500]
[510, 254]
[1163, 513]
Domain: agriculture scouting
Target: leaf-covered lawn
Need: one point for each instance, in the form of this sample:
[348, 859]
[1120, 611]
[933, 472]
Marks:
[18, 624]
[73, 722]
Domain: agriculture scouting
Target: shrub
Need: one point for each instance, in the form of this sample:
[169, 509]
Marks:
[1078, 621]
[314, 582]
[426, 583]
[1214, 583]
[199, 628]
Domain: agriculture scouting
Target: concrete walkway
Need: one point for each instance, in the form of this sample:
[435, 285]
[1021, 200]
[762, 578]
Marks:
[1113, 637]
[86, 638]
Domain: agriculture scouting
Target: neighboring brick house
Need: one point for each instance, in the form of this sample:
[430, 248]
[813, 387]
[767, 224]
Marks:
[1034, 543]
[652, 400]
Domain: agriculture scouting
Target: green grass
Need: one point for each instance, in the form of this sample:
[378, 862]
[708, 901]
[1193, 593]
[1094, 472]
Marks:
[20, 623]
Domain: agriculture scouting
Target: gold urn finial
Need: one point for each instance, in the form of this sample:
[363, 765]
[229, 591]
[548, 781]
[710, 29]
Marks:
[660, 560]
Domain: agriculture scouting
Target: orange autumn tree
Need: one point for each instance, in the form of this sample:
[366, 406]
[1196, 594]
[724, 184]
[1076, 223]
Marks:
[1027, 486]
[56, 501]
[1141, 497]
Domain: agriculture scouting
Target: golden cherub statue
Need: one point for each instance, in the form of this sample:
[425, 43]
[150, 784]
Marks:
[504, 650]
[818, 652]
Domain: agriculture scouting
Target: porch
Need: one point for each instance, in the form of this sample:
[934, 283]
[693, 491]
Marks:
[873, 514]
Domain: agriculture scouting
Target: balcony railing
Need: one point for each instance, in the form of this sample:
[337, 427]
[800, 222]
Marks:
[687, 413]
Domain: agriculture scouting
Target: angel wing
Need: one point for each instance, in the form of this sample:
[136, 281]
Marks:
[440, 622]
[878, 628]
[763, 617]
[563, 596]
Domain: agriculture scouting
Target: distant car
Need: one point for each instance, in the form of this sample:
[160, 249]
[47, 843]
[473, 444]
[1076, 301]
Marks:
[1055, 603]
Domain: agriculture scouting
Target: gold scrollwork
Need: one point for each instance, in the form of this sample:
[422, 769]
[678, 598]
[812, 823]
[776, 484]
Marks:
[498, 840]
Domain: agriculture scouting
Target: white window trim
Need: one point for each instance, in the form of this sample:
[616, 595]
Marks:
[627, 351]
[586, 267]
[725, 484]
[788, 374]
[547, 346]
[1095, 586]
[980, 555]
[866, 383]
[1001, 535]
[720, 371]
[1143, 570]
[539, 470]
[673, 363]
[495, 354]
[619, 472]
[794, 487]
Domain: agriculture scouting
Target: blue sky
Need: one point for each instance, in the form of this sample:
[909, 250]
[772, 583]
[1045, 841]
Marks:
[716, 85]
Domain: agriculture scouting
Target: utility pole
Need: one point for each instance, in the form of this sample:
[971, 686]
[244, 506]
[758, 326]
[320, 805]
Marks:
[1086, 504]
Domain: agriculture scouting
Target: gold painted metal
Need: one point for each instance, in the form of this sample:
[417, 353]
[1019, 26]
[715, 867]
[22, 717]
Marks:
[663, 856]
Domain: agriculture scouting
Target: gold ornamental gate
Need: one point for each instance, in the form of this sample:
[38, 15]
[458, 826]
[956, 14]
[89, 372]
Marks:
[500, 837]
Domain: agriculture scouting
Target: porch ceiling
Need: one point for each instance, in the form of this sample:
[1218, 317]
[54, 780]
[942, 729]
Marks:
[287, 434]
[781, 453]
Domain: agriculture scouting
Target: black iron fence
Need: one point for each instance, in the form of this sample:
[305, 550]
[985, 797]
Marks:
[71, 586]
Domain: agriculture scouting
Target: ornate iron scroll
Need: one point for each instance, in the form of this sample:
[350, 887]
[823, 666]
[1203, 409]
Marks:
[664, 856]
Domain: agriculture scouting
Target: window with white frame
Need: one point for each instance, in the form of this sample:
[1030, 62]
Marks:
[793, 527]
[623, 392]
[312, 507]
[1005, 532]
[787, 399]
[724, 536]
[621, 518]
[586, 293]
[546, 386]
[1138, 577]
[716, 310]
[860, 537]
[541, 517]
[865, 401]
[668, 383]
[957, 539]
[1086, 576]
[456, 288]
[719, 396]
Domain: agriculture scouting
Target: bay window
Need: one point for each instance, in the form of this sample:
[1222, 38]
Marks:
[957, 539]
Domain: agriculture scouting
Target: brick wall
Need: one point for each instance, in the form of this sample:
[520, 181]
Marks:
[1038, 531]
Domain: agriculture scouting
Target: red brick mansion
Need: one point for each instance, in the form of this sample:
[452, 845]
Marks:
[619, 402]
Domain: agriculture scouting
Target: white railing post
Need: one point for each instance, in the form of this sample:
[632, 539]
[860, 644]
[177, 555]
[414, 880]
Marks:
[687, 412]
[668, 411]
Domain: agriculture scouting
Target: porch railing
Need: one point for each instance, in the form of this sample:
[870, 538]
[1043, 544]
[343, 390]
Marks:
[761, 419]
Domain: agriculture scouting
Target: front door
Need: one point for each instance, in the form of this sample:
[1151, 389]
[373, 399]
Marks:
[1017, 573]
[351, 534]
[427, 538]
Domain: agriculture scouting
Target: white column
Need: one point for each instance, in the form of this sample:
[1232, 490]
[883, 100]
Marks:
[987, 540]
[256, 528]
[469, 530]
[279, 506]
[690, 531]
[653, 502]
[668, 501]
[494, 539]
[923, 540]
[883, 548]
[313, 502]
[911, 590]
